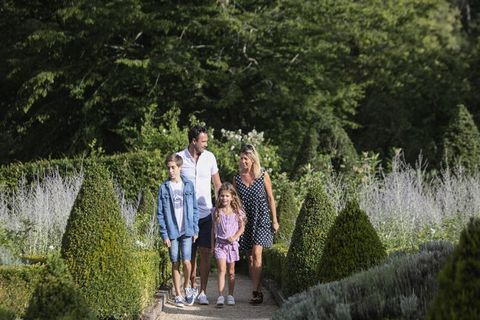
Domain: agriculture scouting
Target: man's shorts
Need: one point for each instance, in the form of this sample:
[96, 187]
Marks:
[181, 246]
[204, 233]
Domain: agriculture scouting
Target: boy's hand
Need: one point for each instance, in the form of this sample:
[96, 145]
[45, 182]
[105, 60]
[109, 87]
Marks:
[167, 243]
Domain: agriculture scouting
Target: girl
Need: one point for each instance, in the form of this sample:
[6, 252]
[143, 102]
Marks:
[228, 226]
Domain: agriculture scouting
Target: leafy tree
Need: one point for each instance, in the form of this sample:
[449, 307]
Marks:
[461, 140]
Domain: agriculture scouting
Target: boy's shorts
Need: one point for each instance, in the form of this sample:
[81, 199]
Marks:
[181, 246]
[204, 233]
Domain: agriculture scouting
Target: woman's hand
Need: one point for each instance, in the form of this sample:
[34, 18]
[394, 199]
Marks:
[275, 226]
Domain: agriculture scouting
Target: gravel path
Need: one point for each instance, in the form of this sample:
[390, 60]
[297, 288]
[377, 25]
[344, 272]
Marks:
[241, 310]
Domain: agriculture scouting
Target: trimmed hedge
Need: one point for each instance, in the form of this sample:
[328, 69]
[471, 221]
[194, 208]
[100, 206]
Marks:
[352, 245]
[273, 261]
[57, 296]
[458, 296]
[98, 250]
[313, 223]
[287, 213]
[17, 285]
[134, 171]
[401, 288]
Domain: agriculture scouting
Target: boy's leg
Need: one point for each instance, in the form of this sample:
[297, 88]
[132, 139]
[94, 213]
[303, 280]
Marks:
[174, 257]
[186, 251]
[231, 277]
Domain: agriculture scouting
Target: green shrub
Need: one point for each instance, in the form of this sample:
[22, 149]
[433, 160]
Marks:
[308, 239]
[165, 267]
[458, 295]
[57, 296]
[401, 288]
[148, 271]
[307, 152]
[146, 226]
[287, 213]
[17, 285]
[98, 251]
[461, 141]
[133, 171]
[352, 245]
[273, 261]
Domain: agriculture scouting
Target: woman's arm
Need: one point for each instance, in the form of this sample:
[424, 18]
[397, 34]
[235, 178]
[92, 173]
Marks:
[271, 202]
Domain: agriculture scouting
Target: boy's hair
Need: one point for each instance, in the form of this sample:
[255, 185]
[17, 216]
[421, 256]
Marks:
[195, 131]
[174, 158]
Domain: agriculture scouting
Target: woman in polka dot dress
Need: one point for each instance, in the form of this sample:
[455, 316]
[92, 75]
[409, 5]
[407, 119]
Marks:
[255, 190]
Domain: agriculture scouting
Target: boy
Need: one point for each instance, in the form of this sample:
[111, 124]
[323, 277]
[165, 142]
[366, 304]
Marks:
[177, 215]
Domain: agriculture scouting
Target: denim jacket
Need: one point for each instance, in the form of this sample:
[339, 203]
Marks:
[166, 212]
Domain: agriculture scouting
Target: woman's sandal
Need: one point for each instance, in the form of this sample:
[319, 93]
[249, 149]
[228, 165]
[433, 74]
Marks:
[257, 297]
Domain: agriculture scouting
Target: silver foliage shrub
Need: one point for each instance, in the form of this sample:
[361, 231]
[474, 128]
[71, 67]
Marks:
[401, 288]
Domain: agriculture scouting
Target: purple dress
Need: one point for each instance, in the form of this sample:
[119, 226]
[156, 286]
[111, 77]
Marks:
[226, 226]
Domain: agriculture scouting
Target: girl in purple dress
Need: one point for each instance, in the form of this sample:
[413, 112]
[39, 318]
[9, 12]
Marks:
[228, 226]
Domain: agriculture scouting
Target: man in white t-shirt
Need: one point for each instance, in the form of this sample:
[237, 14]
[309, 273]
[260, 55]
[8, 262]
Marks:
[200, 167]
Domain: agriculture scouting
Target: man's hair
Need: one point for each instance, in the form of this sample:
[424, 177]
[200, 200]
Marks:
[195, 131]
[174, 158]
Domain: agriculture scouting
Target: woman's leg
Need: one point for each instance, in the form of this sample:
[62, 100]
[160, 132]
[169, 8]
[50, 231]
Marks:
[256, 267]
[221, 266]
[231, 278]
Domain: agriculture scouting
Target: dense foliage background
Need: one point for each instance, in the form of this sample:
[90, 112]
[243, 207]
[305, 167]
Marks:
[390, 73]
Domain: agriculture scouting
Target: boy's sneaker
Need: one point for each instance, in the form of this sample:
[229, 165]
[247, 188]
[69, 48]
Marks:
[179, 301]
[220, 301]
[230, 300]
[189, 296]
[202, 298]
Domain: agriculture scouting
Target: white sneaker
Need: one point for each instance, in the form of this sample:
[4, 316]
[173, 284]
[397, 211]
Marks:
[202, 298]
[230, 300]
[179, 301]
[190, 296]
[220, 301]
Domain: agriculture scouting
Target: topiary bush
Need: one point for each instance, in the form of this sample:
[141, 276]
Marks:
[458, 295]
[314, 220]
[400, 288]
[98, 251]
[287, 213]
[352, 245]
[57, 297]
[461, 141]
[146, 225]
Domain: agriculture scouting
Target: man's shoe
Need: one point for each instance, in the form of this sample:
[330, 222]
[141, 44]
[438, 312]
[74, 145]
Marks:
[220, 301]
[230, 300]
[179, 301]
[202, 298]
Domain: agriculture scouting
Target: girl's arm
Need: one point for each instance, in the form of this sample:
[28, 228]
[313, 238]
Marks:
[241, 229]
[271, 202]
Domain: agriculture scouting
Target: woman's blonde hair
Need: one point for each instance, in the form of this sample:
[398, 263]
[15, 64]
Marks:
[250, 151]
[236, 203]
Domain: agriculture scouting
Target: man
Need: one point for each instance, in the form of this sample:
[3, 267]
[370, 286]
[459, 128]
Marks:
[200, 167]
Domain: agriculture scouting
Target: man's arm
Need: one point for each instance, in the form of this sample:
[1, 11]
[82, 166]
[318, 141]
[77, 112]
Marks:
[216, 183]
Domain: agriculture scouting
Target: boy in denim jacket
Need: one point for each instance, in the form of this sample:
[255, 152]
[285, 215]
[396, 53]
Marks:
[177, 215]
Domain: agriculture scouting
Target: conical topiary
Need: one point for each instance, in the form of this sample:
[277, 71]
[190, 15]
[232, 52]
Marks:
[352, 245]
[98, 251]
[334, 141]
[313, 223]
[461, 141]
[458, 294]
[287, 213]
[57, 297]
[307, 152]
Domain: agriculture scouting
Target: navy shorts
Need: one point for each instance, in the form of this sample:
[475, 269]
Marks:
[204, 233]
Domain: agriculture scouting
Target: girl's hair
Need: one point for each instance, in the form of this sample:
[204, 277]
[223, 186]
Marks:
[250, 151]
[236, 203]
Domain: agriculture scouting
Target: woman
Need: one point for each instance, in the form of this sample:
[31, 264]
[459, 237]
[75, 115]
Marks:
[255, 190]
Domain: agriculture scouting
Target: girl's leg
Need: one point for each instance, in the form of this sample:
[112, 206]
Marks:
[256, 268]
[221, 266]
[176, 278]
[231, 278]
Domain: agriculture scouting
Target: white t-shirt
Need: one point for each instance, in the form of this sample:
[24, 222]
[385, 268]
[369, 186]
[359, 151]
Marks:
[200, 174]
[177, 192]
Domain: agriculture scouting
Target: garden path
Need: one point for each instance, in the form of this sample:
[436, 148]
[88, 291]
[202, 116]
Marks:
[241, 310]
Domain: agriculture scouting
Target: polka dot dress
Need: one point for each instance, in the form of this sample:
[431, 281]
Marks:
[258, 230]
